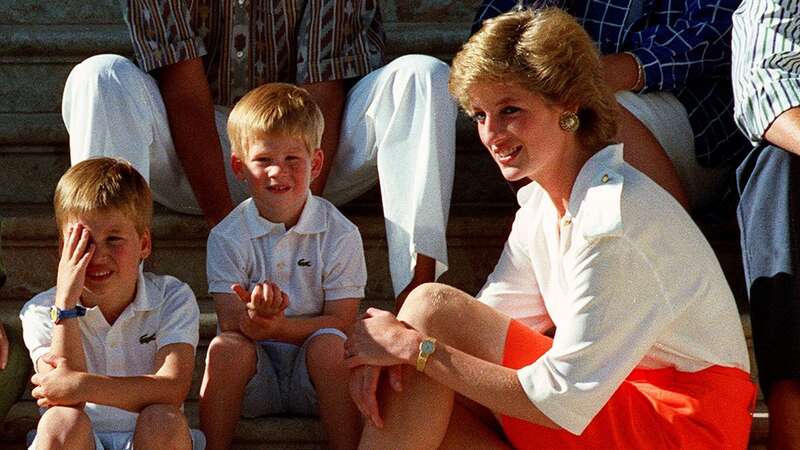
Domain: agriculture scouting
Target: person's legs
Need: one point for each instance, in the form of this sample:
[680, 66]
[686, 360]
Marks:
[768, 219]
[162, 426]
[112, 108]
[324, 354]
[230, 364]
[399, 124]
[14, 377]
[64, 428]
[419, 417]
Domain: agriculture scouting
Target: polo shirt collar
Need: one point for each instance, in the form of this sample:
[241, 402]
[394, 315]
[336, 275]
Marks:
[312, 219]
[603, 167]
[607, 160]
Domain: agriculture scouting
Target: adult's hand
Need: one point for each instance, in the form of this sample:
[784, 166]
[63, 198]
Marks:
[364, 387]
[380, 339]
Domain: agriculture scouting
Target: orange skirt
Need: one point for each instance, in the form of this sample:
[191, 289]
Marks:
[652, 409]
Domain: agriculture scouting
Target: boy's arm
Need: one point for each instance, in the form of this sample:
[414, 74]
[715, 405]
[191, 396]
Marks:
[229, 309]
[76, 252]
[339, 314]
[169, 384]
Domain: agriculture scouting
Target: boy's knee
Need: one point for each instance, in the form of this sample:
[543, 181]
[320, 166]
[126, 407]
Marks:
[233, 353]
[64, 427]
[162, 426]
[325, 352]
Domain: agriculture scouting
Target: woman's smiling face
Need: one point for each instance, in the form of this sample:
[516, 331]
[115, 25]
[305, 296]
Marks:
[518, 128]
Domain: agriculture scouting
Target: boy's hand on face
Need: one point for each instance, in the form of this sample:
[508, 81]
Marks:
[60, 386]
[76, 254]
[265, 301]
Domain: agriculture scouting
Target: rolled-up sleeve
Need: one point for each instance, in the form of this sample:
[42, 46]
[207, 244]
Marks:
[161, 32]
[615, 310]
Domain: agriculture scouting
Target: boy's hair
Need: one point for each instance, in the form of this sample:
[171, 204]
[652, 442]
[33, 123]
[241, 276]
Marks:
[275, 108]
[100, 185]
[548, 53]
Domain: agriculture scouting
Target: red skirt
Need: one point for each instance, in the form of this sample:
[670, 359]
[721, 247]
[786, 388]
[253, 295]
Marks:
[652, 409]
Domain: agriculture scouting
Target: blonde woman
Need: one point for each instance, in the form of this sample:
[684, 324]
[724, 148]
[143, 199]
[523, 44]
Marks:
[647, 349]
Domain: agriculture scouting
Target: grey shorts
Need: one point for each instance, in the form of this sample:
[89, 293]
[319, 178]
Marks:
[282, 383]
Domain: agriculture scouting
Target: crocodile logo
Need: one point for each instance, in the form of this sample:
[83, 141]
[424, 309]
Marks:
[145, 338]
[302, 262]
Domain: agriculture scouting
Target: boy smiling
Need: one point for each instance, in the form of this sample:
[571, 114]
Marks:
[286, 270]
[103, 385]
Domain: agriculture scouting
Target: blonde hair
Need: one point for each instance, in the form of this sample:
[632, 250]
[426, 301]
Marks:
[101, 185]
[546, 52]
[275, 108]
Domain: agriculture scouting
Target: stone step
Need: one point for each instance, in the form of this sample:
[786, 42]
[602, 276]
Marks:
[475, 237]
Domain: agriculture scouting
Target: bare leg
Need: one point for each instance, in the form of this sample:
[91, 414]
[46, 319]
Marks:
[340, 417]
[64, 428]
[162, 426]
[424, 272]
[643, 152]
[468, 430]
[230, 364]
[784, 415]
[424, 405]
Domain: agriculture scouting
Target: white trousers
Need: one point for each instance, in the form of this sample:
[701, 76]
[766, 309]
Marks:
[398, 125]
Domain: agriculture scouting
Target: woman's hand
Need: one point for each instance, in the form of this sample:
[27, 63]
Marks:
[379, 339]
[364, 388]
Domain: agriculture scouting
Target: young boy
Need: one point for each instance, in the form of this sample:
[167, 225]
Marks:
[287, 272]
[113, 347]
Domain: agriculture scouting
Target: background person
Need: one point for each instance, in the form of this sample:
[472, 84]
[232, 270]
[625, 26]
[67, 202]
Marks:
[766, 82]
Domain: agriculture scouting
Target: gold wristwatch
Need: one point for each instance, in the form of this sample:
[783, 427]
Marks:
[426, 349]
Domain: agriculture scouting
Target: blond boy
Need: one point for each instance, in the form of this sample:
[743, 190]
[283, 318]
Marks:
[286, 270]
[113, 347]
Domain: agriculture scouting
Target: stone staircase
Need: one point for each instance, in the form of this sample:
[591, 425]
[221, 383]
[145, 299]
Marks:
[42, 41]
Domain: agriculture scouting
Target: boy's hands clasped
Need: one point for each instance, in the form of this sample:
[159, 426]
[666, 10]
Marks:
[265, 305]
[75, 257]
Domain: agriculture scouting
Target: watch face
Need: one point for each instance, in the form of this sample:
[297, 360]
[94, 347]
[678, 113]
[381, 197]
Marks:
[427, 347]
[54, 314]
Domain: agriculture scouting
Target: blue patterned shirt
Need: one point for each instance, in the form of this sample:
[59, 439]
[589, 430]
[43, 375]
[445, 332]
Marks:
[684, 48]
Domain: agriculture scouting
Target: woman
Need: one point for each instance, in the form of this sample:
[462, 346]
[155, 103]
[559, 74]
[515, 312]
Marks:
[648, 350]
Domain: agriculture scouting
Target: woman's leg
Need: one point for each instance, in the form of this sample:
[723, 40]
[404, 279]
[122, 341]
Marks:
[419, 417]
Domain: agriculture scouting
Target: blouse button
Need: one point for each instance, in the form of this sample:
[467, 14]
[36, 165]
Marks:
[605, 178]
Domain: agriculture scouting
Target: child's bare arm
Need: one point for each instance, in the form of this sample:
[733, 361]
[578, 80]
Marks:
[168, 385]
[229, 309]
[339, 314]
[76, 253]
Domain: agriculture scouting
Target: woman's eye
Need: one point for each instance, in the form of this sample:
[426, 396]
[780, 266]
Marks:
[478, 117]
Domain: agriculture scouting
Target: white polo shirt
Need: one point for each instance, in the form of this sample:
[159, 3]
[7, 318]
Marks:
[164, 311]
[628, 280]
[319, 259]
